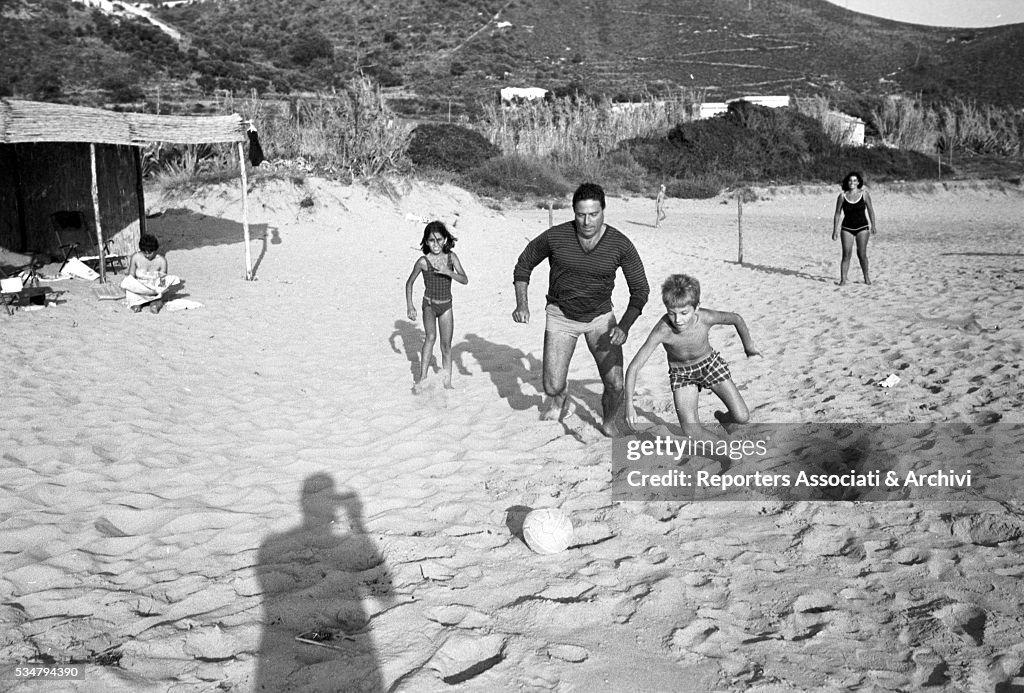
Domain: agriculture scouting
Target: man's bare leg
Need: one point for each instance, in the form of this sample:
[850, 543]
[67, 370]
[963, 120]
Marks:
[558, 350]
[608, 357]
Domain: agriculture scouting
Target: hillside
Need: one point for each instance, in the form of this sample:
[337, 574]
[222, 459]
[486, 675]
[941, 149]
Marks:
[435, 56]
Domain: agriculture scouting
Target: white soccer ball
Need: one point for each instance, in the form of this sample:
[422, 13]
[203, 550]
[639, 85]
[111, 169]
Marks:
[547, 530]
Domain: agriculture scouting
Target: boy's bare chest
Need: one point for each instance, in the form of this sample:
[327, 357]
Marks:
[688, 344]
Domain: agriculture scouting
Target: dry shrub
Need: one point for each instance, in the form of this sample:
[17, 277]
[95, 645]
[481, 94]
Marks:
[351, 131]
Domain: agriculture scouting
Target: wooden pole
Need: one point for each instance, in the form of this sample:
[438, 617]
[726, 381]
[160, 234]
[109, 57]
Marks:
[140, 194]
[96, 215]
[245, 213]
[739, 224]
[551, 214]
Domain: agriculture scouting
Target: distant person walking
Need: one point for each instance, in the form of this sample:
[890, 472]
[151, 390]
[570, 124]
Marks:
[583, 255]
[660, 207]
[853, 224]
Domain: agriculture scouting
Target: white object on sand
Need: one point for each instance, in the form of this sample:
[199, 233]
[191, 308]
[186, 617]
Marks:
[890, 381]
[78, 269]
[182, 304]
[547, 530]
[137, 291]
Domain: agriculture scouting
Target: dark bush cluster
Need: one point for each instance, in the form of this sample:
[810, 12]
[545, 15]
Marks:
[755, 144]
[449, 148]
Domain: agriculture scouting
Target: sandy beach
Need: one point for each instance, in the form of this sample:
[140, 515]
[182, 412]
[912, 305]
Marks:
[182, 494]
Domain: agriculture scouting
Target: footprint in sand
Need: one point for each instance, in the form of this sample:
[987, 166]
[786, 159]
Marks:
[573, 654]
[625, 609]
[463, 657]
[966, 621]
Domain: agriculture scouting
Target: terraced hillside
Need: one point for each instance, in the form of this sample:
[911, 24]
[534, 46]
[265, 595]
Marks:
[448, 55]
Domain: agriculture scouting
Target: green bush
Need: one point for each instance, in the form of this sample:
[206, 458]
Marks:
[517, 177]
[449, 148]
[882, 163]
[618, 172]
[754, 144]
[310, 46]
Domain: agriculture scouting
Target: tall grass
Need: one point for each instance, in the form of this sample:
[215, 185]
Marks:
[905, 123]
[545, 145]
[351, 131]
[838, 131]
[969, 128]
[576, 132]
[957, 125]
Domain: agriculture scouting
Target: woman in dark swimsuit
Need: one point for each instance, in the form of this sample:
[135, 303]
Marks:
[854, 222]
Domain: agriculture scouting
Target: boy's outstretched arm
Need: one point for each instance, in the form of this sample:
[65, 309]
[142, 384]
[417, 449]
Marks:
[741, 329]
[720, 317]
[653, 340]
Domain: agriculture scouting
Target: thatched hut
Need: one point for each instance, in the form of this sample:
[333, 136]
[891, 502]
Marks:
[55, 157]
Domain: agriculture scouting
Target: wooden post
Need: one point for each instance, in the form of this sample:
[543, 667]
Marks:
[245, 213]
[551, 214]
[140, 194]
[96, 215]
[739, 223]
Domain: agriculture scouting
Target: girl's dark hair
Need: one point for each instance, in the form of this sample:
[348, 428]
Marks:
[148, 243]
[437, 227]
[853, 174]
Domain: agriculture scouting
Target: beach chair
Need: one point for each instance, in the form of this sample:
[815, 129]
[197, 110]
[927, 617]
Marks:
[76, 240]
[15, 292]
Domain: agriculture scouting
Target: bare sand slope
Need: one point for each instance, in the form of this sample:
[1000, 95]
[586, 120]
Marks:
[181, 494]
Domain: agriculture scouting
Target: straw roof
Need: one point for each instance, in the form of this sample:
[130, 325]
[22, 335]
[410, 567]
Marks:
[34, 121]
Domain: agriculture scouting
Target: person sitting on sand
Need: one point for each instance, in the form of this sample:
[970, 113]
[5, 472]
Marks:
[693, 364]
[147, 281]
[438, 265]
[853, 223]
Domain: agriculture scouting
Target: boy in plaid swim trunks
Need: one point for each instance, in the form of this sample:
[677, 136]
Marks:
[693, 364]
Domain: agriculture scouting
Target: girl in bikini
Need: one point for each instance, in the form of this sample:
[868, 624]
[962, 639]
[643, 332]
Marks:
[854, 222]
[438, 265]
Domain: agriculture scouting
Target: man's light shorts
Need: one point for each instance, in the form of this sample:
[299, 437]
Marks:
[559, 324]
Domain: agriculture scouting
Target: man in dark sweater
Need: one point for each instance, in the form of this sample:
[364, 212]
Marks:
[583, 256]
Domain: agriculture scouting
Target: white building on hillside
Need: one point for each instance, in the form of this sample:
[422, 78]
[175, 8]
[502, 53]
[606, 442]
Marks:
[710, 109]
